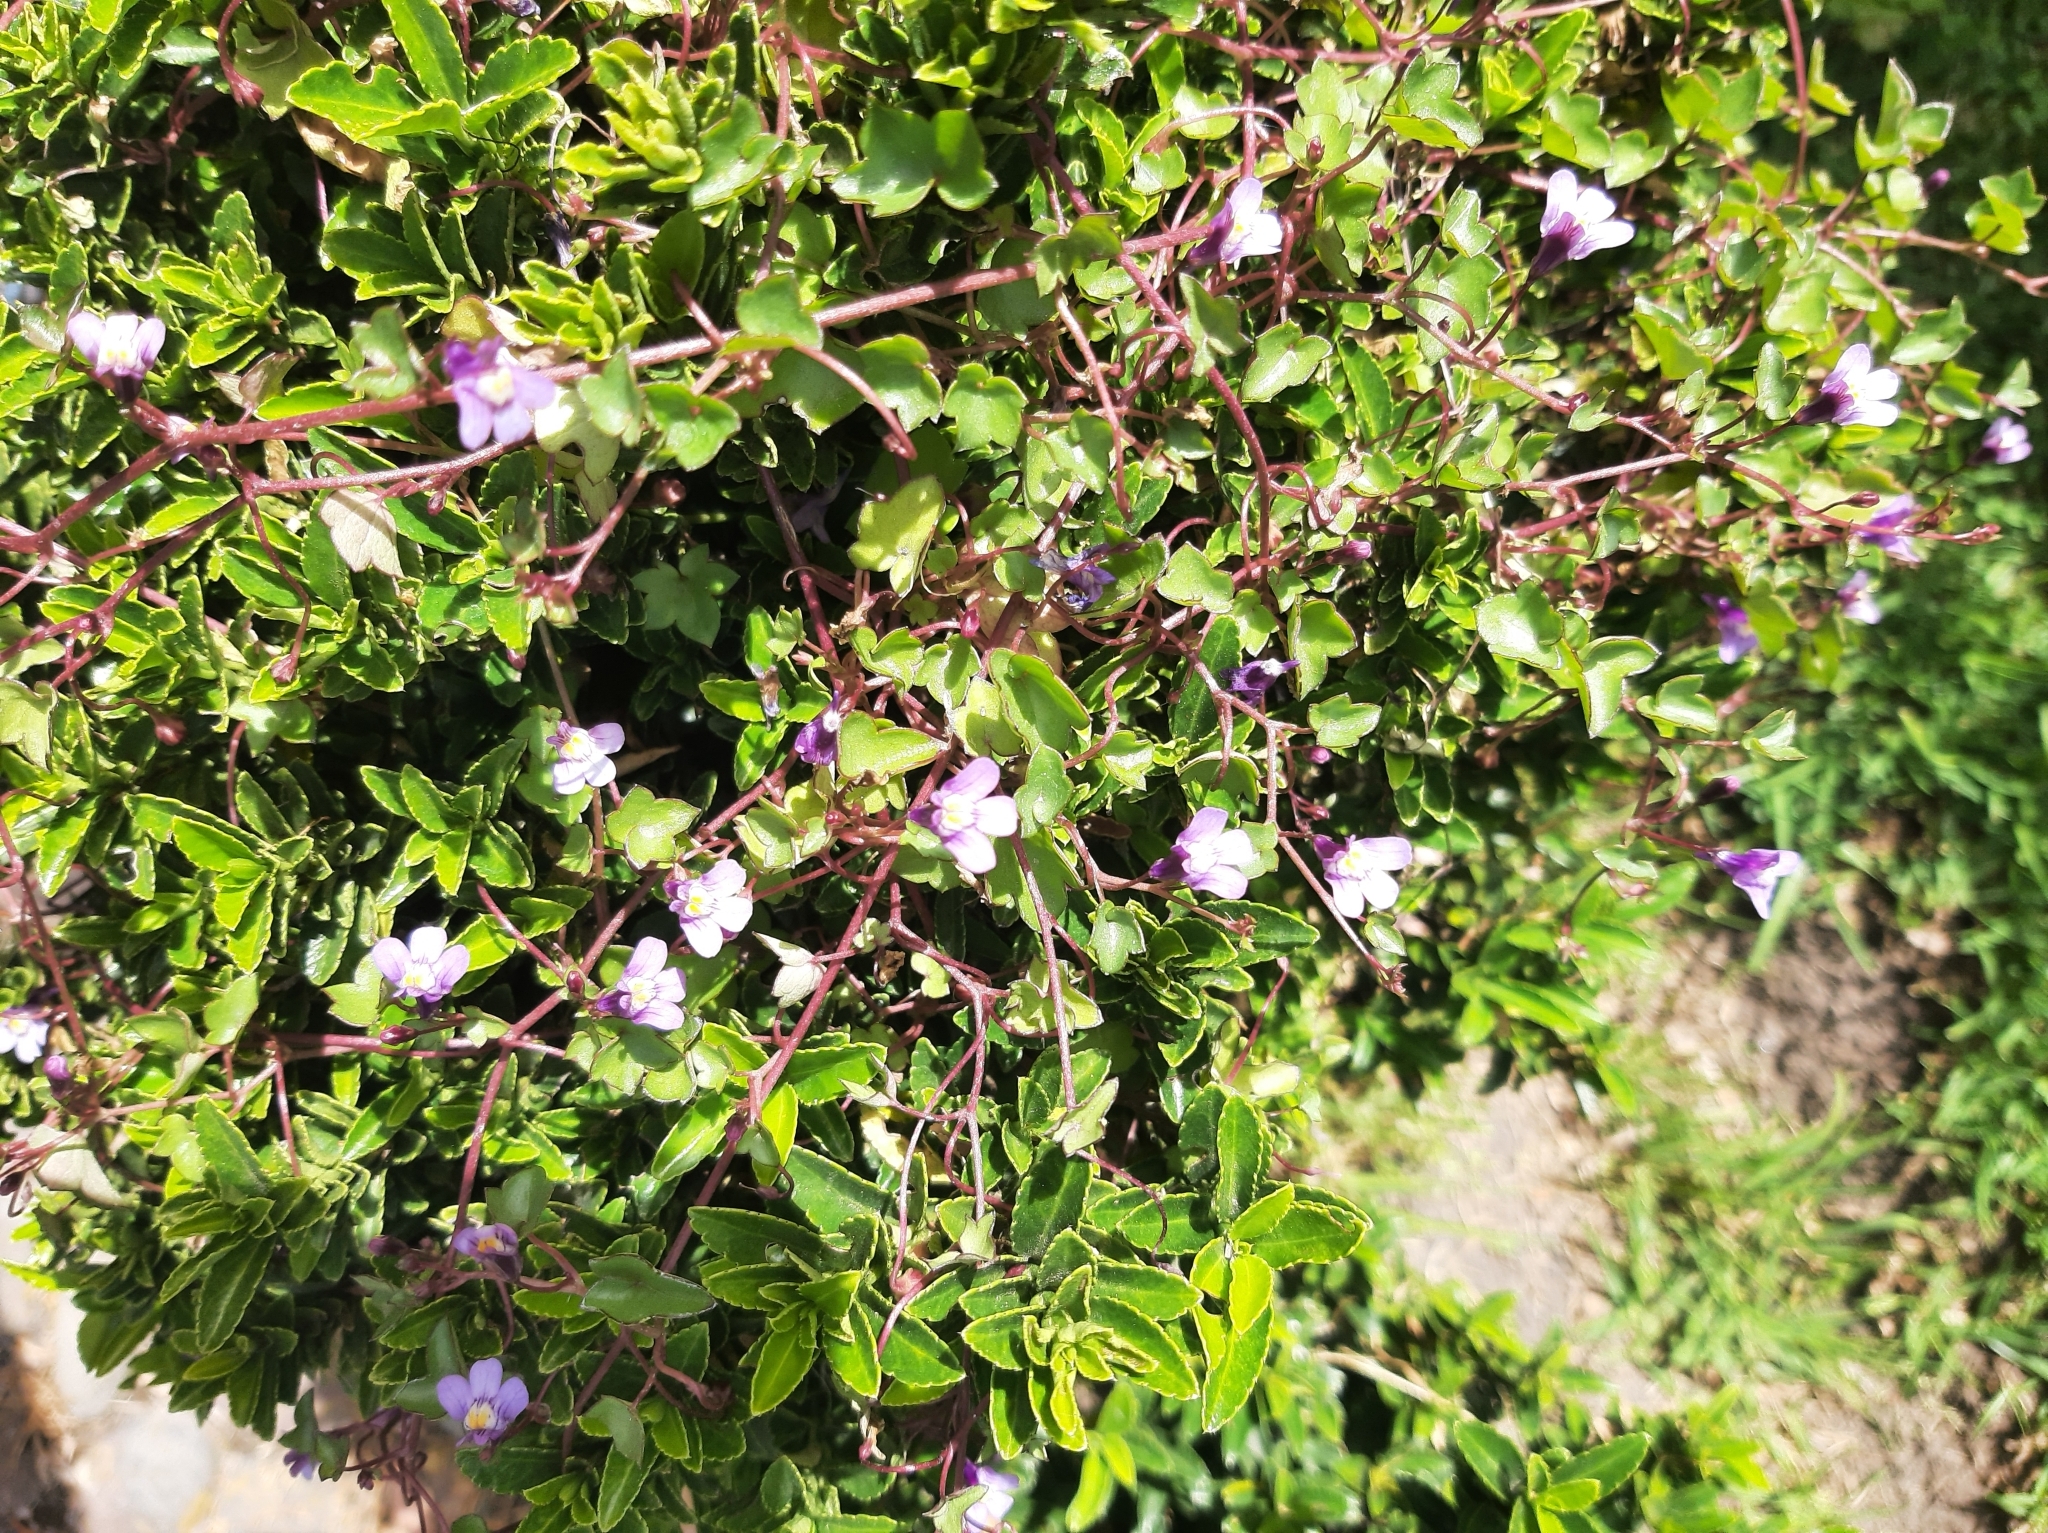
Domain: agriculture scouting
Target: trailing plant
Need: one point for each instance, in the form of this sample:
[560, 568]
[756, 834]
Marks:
[684, 683]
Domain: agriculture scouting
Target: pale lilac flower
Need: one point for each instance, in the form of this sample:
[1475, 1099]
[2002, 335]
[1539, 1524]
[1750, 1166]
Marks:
[490, 1245]
[485, 1404]
[1738, 638]
[24, 1032]
[1212, 856]
[1855, 393]
[1881, 531]
[494, 395]
[649, 992]
[1858, 605]
[1254, 679]
[1241, 227]
[583, 756]
[713, 907]
[2005, 443]
[118, 350]
[968, 812]
[1757, 873]
[1361, 871]
[1577, 221]
[998, 1495]
[424, 967]
[817, 743]
[301, 1466]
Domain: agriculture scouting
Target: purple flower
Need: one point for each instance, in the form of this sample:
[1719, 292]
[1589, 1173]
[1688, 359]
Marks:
[1738, 638]
[2005, 443]
[57, 1070]
[1881, 530]
[490, 1245]
[301, 1466]
[1577, 220]
[495, 396]
[1212, 856]
[118, 350]
[714, 907]
[424, 967]
[1757, 873]
[583, 756]
[1354, 550]
[998, 1495]
[1361, 871]
[967, 812]
[1855, 393]
[817, 743]
[1084, 579]
[1241, 227]
[649, 992]
[24, 1032]
[485, 1404]
[1253, 680]
[1858, 606]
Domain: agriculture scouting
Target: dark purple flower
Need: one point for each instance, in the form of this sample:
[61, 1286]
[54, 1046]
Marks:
[490, 1245]
[1241, 227]
[1881, 531]
[649, 992]
[424, 967]
[1255, 678]
[817, 743]
[119, 350]
[1361, 871]
[967, 813]
[485, 1404]
[1858, 606]
[1757, 873]
[301, 1466]
[714, 906]
[494, 395]
[1212, 856]
[1855, 393]
[1083, 577]
[583, 756]
[1937, 179]
[1577, 221]
[1738, 638]
[2005, 443]
[998, 1495]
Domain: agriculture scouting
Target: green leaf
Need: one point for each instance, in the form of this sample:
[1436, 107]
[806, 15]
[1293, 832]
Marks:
[619, 1488]
[423, 31]
[1171, 1371]
[899, 162]
[1148, 1290]
[986, 410]
[2000, 219]
[646, 828]
[1283, 358]
[518, 68]
[613, 1418]
[1607, 1466]
[231, 1281]
[1494, 1460]
[1316, 635]
[227, 1153]
[1087, 240]
[1340, 723]
[1773, 736]
[1604, 665]
[1115, 938]
[1936, 337]
[1240, 1158]
[874, 750]
[782, 1357]
[25, 722]
[1777, 389]
[1315, 1228]
[894, 531]
[630, 1290]
[963, 179]
[1041, 707]
[693, 426]
[774, 311]
[360, 108]
[1214, 324]
[1232, 1378]
[1192, 581]
[1050, 1200]
[829, 1193]
[1679, 703]
[899, 369]
[1426, 110]
[1522, 626]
